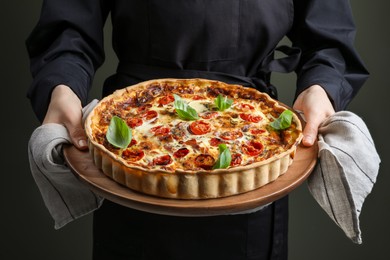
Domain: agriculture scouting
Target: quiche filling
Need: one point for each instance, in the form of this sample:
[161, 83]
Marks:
[162, 138]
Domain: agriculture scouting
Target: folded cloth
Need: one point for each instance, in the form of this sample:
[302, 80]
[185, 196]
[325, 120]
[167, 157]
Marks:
[64, 195]
[346, 171]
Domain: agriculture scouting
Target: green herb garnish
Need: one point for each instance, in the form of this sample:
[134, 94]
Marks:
[183, 110]
[222, 102]
[283, 121]
[224, 158]
[119, 133]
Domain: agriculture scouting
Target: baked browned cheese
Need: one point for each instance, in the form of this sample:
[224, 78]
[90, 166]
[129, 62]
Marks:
[175, 157]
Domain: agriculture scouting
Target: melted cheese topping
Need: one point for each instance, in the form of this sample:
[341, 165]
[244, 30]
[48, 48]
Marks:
[162, 140]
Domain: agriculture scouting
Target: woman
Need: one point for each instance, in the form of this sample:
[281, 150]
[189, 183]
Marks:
[228, 40]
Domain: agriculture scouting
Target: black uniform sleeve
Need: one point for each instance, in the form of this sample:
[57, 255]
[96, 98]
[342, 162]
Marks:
[325, 32]
[65, 47]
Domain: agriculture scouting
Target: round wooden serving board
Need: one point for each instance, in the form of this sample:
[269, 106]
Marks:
[81, 164]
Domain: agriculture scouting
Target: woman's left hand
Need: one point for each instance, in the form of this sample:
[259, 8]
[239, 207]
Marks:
[316, 107]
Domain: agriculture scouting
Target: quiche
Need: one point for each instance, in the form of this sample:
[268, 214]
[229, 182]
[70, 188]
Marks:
[192, 138]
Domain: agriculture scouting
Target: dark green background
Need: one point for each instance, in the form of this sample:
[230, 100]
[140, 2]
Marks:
[26, 228]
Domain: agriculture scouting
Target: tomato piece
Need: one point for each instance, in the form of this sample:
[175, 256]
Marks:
[198, 97]
[231, 135]
[205, 161]
[181, 153]
[144, 108]
[134, 122]
[160, 130]
[257, 131]
[145, 145]
[200, 127]
[236, 159]
[209, 115]
[216, 141]
[132, 142]
[150, 114]
[251, 118]
[193, 143]
[166, 99]
[162, 160]
[252, 148]
[244, 107]
[133, 154]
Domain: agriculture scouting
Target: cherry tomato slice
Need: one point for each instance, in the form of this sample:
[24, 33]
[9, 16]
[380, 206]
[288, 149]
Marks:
[205, 161]
[134, 122]
[231, 135]
[200, 127]
[252, 148]
[236, 159]
[182, 152]
[148, 115]
[133, 155]
[198, 97]
[162, 160]
[216, 141]
[209, 115]
[166, 99]
[144, 108]
[244, 107]
[160, 130]
[193, 143]
[132, 142]
[257, 131]
[251, 118]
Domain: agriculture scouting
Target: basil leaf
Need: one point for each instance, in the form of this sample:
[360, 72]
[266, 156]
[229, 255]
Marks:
[183, 110]
[118, 133]
[224, 158]
[222, 102]
[283, 121]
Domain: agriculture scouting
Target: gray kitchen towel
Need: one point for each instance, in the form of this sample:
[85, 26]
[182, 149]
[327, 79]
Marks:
[346, 170]
[64, 195]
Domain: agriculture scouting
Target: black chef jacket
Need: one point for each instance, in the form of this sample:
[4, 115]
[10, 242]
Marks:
[230, 40]
[234, 37]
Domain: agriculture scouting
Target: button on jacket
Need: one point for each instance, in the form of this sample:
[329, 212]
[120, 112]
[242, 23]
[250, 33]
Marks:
[232, 38]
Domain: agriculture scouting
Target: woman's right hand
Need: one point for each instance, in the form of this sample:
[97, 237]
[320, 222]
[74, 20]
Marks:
[65, 108]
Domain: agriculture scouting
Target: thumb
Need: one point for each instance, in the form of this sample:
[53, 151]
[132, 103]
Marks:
[78, 136]
[310, 133]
